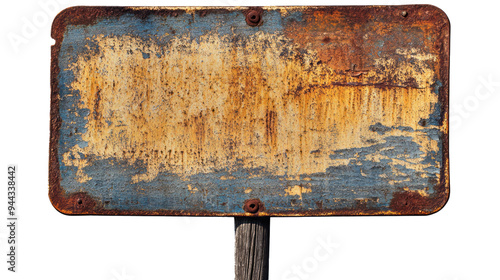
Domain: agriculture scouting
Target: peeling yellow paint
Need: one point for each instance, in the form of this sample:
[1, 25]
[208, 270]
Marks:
[212, 104]
[416, 54]
[423, 192]
[191, 189]
[73, 158]
[297, 190]
[248, 190]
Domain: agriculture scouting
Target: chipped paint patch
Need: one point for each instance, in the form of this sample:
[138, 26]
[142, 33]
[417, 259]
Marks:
[191, 189]
[297, 190]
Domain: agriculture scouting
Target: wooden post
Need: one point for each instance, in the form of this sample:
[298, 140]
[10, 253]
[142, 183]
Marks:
[252, 248]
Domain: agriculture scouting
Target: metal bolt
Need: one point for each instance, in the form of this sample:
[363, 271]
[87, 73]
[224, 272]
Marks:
[252, 206]
[253, 18]
[404, 13]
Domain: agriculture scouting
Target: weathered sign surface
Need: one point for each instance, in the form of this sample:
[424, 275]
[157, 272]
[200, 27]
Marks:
[274, 111]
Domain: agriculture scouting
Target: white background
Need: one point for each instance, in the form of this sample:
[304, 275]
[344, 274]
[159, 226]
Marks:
[461, 242]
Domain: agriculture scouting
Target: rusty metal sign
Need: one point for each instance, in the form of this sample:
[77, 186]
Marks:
[274, 111]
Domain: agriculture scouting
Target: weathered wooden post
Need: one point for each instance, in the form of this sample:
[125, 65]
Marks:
[252, 247]
[250, 113]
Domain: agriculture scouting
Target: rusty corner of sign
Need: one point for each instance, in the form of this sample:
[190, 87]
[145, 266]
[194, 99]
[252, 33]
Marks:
[75, 203]
[407, 202]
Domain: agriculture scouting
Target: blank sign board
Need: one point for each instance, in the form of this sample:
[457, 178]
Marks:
[273, 111]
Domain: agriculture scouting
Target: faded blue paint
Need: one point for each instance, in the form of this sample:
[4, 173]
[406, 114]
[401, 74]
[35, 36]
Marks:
[155, 27]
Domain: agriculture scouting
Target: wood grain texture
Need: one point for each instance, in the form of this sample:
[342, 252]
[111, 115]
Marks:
[252, 248]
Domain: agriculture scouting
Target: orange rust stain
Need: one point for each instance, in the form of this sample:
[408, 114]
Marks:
[212, 104]
[341, 38]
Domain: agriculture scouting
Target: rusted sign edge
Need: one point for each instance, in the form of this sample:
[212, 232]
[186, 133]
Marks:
[403, 202]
